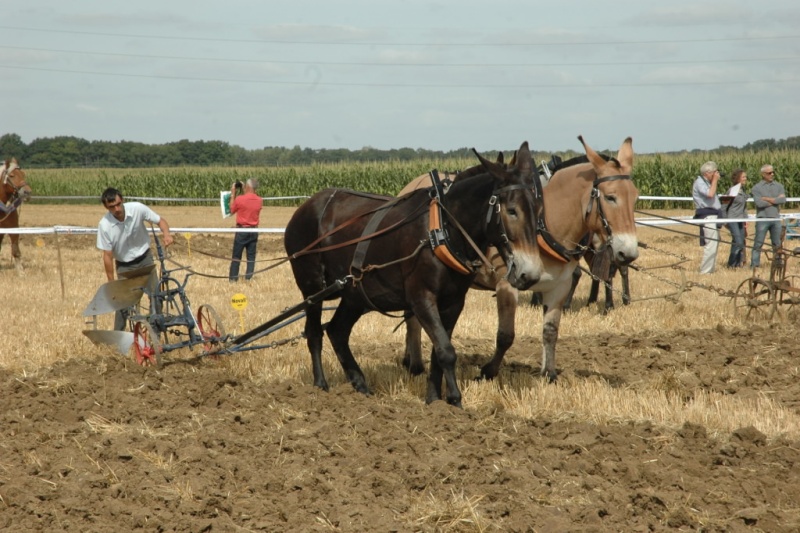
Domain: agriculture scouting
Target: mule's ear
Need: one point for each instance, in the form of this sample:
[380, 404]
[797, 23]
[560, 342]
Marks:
[594, 158]
[625, 154]
[523, 158]
[491, 167]
[500, 157]
[513, 160]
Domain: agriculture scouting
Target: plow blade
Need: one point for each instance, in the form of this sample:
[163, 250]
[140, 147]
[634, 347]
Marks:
[119, 340]
[119, 294]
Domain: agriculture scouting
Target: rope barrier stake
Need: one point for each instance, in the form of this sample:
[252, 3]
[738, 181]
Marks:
[239, 302]
[60, 265]
[188, 237]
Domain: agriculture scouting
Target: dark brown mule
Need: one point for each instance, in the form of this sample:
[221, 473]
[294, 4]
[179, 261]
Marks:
[398, 270]
[580, 200]
[13, 191]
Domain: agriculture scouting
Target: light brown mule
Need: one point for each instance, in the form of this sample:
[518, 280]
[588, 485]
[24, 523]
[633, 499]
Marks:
[595, 198]
[14, 190]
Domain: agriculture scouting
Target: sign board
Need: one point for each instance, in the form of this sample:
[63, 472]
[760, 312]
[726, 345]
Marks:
[239, 301]
[225, 203]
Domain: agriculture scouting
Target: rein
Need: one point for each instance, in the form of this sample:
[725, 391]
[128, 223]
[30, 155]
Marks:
[310, 248]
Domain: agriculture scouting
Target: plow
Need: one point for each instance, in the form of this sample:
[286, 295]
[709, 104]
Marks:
[167, 321]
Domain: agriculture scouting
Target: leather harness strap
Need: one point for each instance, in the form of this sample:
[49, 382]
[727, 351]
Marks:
[310, 249]
[556, 250]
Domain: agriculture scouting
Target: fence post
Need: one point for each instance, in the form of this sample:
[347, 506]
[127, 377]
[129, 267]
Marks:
[60, 267]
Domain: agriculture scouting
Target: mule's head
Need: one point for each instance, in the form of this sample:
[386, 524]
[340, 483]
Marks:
[13, 180]
[511, 217]
[610, 211]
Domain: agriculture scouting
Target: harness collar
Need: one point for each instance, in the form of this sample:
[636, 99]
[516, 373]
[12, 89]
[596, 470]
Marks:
[439, 238]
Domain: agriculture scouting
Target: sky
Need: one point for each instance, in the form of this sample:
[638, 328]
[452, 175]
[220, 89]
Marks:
[436, 74]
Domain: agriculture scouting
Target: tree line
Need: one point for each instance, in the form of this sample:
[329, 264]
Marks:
[74, 152]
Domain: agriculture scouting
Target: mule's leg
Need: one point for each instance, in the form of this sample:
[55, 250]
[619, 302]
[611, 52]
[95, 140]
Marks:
[593, 292]
[313, 333]
[609, 289]
[339, 330]
[439, 327]
[507, 299]
[626, 288]
[536, 299]
[553, 302]
[412, 359]
[576, 277]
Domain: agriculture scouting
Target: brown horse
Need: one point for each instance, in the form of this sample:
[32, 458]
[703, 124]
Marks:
[592, 198]
[387, 250]
[13, 191]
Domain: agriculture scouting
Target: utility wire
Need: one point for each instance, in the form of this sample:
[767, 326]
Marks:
[395, 64]
[736, 38]
[591, 85]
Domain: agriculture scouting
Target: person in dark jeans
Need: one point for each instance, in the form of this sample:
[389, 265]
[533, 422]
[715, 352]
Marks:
[246, 205]
[769, 196]
[736, 207]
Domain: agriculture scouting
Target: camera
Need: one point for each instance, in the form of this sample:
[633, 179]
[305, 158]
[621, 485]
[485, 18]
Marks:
[238, 185]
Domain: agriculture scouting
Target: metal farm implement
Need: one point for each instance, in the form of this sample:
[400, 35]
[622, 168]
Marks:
[168, 323]
[761, 298]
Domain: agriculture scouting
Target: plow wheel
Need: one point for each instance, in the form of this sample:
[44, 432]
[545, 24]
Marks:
[788, 296]
[146, 346]
[211, 327]
[755, 299]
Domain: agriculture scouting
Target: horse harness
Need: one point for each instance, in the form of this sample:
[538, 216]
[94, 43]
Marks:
[558, 251]
[14, 199]
[439, 237]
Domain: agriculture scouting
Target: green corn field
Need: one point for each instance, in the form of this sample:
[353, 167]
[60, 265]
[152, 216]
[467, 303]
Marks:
[654, 174]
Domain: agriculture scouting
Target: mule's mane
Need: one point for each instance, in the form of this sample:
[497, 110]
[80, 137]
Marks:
[578, 160]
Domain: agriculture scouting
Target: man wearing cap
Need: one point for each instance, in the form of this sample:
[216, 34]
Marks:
[768, 196]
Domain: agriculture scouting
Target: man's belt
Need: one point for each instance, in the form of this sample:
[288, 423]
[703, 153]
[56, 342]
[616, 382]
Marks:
[133, 261]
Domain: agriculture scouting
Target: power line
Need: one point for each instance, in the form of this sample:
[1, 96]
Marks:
[408, 85]
[384, 64]
[737, 38]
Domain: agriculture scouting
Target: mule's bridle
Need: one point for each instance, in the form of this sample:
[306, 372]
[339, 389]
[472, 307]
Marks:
[595, 196]
[439, 239]
[504, 246]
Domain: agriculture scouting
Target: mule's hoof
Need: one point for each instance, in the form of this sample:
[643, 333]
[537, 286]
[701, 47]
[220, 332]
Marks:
[430, 398]
[363, 389]
[416, 370]
[487, 374]
[455, 402]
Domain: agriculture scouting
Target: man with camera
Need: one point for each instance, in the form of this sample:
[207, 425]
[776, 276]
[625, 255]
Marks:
[246, 205]
[707, 206]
